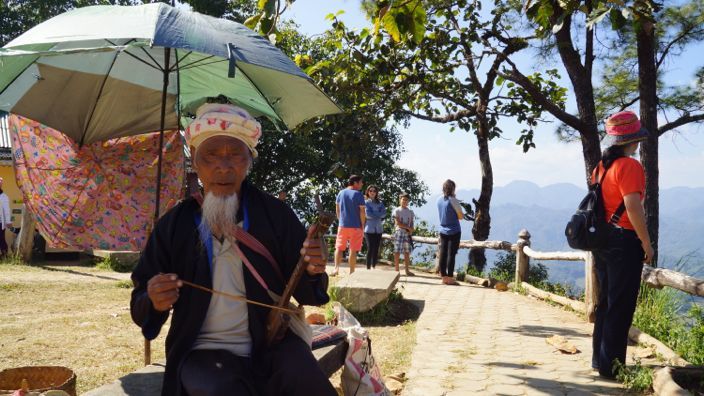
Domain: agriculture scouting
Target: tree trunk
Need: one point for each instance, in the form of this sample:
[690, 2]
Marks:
[580, 74]
[26, 235]
[647, 87]
[482, 219]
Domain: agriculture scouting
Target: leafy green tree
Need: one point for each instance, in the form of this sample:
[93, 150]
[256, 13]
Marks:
[321, 154]
[439, 61]
[656, 33]
[505, 269]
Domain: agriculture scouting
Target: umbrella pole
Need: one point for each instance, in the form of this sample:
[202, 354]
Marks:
[167, 56]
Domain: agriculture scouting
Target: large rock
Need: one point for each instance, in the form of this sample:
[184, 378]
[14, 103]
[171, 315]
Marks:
[364, 289]
[144, 382]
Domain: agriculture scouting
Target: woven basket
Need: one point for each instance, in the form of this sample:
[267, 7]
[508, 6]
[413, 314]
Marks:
[39, 378]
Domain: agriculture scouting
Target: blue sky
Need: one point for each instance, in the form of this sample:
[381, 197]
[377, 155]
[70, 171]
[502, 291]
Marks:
[436, 154]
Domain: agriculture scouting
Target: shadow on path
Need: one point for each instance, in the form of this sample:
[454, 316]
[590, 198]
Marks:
[545, 331]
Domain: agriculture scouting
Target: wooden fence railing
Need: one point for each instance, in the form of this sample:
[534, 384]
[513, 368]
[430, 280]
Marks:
[654, 277]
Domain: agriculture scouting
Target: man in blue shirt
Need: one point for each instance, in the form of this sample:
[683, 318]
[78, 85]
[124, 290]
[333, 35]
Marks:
[349, 206]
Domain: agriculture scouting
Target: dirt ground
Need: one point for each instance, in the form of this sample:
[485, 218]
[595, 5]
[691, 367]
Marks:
[71, 316]
[78, 317]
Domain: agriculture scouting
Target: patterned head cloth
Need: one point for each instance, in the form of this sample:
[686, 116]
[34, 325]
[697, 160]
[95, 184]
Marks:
[624, 128]
[214, 119]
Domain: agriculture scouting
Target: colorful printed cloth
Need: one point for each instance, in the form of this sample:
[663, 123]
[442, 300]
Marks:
[100, 196]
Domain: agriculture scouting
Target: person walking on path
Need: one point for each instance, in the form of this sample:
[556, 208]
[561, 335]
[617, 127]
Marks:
[403, 218]
[375, 213]
[5, 219]
[350, 209]
[450, 213]
[619, 264]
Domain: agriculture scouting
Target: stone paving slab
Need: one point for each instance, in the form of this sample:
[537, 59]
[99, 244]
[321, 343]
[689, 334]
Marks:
[476, 341]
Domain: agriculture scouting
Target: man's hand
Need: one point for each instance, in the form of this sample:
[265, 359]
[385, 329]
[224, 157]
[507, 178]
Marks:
[649, 253]
[162, 289]
[312, 253]
[8, 226]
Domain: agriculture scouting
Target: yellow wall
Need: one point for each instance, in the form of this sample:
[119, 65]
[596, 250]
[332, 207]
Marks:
[9, 186]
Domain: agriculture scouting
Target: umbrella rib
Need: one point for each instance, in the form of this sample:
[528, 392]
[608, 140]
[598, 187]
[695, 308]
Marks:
[19, 74]
[204, 64]
[138, 58]
[260, 93]
[97, 99]
[152, 58]
[201, 60]
[180, 60]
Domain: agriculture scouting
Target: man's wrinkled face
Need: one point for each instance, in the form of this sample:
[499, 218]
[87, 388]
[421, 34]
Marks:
[222, 163]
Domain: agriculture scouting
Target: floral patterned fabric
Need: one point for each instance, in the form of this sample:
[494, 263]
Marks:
[100, 196]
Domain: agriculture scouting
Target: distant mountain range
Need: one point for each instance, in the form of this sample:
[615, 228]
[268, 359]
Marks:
[544, 211]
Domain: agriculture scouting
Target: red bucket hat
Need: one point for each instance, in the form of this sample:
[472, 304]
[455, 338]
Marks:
[624, 128]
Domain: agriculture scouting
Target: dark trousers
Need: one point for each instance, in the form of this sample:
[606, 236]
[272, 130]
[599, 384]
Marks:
[373, 242]
[448, 250]
[618, 269]
[294, 371]
[3, 243]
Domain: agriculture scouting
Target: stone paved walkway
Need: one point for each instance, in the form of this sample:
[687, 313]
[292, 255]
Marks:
[471, 340]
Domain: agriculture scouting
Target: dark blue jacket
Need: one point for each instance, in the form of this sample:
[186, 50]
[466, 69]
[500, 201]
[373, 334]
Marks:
[174, 247]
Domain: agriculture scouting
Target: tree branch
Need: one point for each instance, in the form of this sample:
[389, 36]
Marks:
[669, 46]
[628, 104]
[589, 46]
[685, 119]
[538, 96]
[443, 119]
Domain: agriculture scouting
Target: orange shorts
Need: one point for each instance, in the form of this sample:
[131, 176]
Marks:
[352, 235]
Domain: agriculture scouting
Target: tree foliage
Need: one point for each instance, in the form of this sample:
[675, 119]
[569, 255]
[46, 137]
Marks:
[439, 61]
[321, 154]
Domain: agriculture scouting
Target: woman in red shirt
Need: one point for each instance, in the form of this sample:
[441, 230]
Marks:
[620, 263]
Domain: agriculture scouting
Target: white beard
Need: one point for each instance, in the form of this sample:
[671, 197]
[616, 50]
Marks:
[219, 213]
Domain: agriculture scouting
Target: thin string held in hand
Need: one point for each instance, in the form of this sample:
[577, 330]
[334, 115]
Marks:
[235, 297]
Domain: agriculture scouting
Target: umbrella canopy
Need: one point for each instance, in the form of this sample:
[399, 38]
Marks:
[98, 73]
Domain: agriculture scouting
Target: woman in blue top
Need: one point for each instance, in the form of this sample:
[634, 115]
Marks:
[375, 211]
[450, 213]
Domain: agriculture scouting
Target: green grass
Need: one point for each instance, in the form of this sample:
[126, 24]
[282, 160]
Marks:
[124, 284]
[12, 259]
[112, 264]
[660, 314]
[636, 378]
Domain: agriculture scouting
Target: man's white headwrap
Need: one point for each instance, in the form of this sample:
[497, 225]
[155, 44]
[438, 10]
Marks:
[214, 119]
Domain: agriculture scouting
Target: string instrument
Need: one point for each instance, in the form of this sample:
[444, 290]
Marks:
[277, 322]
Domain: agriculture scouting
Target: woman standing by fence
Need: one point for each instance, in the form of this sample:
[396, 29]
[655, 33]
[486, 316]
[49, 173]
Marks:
[620, 263]
[450, 213]
[375, 211]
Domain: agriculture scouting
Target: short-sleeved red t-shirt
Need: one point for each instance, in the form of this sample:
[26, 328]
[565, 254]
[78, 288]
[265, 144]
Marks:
[625, 176]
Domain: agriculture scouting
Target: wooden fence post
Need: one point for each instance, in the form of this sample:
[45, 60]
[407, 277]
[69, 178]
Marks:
[591, 287]
[26, 236]
[522, 258]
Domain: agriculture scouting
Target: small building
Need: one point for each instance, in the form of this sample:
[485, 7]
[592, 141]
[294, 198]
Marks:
[7, 172]
[9, 182]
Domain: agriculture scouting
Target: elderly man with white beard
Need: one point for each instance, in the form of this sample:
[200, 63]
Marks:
[217, 345]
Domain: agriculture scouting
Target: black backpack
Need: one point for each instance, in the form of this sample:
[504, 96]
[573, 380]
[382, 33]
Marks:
[588, 228]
